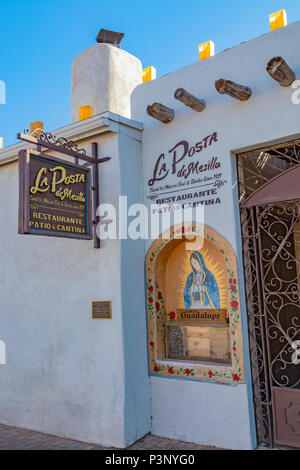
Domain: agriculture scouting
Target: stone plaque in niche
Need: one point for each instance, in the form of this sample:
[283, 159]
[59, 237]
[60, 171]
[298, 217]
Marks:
[176, 336]
[219, 344]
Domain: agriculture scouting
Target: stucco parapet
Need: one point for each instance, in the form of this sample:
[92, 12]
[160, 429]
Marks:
[100, 124]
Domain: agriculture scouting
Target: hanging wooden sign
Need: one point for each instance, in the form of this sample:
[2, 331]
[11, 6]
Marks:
[54, 197]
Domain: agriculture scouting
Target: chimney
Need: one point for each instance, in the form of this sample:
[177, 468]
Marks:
[104, 76]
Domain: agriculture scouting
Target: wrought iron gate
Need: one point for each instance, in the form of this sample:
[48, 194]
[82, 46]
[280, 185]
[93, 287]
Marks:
[270, 218]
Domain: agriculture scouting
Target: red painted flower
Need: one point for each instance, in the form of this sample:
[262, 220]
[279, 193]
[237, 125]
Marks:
[172, 315]
[159, 296]
[188, 371]
[230, 280]
[155, 369]
[232, 287]
[236, 378]
[157, 305]
[234, 348]
[151, 289]
[234, 281]
[150, 300]
[152, 344]
[234, 304]
[170, 370]
[210, 373]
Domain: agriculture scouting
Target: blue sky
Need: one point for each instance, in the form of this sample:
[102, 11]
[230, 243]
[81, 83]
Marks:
[40, 38]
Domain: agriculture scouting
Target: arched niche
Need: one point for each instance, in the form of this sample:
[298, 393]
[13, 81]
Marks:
[168, 290]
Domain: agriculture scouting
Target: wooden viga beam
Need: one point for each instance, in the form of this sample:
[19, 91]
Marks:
[161, 112]
[239, 92]
[278, 69]
[189, 100]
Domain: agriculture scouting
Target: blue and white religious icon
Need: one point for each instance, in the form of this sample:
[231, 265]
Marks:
[201, 289]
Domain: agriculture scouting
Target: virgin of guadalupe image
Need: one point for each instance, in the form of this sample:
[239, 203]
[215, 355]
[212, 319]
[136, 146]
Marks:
[201, 289]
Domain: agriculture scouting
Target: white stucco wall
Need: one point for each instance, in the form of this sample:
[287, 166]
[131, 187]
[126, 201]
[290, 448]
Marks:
[65, 373]
[205, 413]
[197, 411]
[137, 383]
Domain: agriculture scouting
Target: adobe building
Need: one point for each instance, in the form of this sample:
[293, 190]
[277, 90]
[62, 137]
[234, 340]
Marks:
[201, 339]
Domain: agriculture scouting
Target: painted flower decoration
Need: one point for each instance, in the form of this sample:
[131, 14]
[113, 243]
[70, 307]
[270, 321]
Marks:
[156, 309]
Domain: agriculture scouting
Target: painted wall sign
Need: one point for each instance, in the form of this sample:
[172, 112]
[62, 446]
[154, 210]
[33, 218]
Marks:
[187, 175]
[203, 315]
[54, 197]
[101, 310]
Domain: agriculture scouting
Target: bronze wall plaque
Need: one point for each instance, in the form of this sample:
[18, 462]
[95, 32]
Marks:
[203, 315]
[54, 197]
[101, 310]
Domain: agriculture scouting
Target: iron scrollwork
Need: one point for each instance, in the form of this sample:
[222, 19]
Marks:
[271, 250]
[48, 137]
